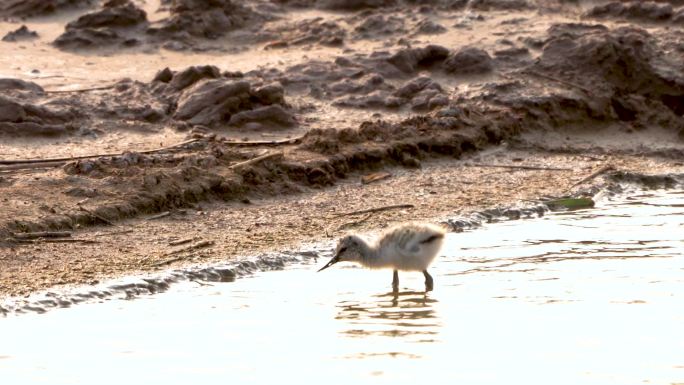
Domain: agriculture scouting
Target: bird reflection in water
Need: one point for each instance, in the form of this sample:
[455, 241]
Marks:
[407, 314]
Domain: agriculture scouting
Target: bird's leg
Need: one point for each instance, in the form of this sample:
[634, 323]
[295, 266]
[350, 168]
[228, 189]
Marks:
[395, 281]
[429, 283]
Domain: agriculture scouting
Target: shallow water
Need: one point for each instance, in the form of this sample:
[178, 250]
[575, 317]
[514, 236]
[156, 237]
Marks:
[586, 297]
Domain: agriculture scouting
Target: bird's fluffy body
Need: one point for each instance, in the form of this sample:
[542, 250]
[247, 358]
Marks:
[406, 247]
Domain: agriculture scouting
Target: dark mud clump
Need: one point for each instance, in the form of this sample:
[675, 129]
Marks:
[638, 10]
[623, 61]
[208, 19]
[31, 8]
[120, 23]
[379, 26]
[177, 81]
[221, 101]
[199, 95]
[117, 24]
[384, 80]
[378, 81]
[411, 60]
[310, 32]
[421, 94]
[469, 61]
[429, 27]
[600, 75]
[204, 97]
[20, 34]
[20, 117]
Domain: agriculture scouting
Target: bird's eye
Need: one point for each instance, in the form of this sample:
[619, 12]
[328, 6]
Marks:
[342, 250]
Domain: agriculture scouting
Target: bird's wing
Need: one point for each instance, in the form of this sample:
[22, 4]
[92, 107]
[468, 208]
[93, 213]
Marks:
[412, 243]
[408, 243]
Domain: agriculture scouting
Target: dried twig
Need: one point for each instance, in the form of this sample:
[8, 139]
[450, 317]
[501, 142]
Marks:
[168, 261]
[376, 209]
[81, 90]
[14, 167]
[275, 155]
[72, 158]
[181, 242]
[51, 240]
[593, 175]
[374, 177]
[42, 234]
[114, 233]
[86, 241]
[296, 140]
[159, 216]
[521, 167]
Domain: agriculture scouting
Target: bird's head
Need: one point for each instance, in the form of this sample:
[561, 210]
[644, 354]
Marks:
[348, 249]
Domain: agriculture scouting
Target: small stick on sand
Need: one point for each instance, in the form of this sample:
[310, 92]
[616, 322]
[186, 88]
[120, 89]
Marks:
[114, 233]
[181, 242]
[159, 216]
[275, 155]
[374, 177]
[51, 240]
[593, 175]
[81, 90]
[296, 140]
[86, 241]
[168, 261]
[42, 234]
[376, 209]
[518, 167]
[14, 167]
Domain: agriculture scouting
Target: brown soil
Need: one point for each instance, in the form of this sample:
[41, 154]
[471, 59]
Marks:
[273, 147]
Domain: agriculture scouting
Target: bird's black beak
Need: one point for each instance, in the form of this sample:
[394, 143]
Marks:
[331, 262]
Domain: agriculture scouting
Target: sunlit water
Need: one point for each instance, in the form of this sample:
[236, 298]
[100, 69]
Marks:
[588, 297]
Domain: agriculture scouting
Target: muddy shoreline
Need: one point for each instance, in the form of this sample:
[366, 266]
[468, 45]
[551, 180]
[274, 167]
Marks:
[202, 147]
[616, 182]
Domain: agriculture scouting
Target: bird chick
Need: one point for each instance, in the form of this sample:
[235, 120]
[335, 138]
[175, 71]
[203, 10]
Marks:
[406, 247]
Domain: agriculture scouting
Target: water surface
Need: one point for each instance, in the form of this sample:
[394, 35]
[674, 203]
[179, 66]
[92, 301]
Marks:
[586, 297]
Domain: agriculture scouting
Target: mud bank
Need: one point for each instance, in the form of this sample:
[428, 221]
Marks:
[276, 100]
[619, 77]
